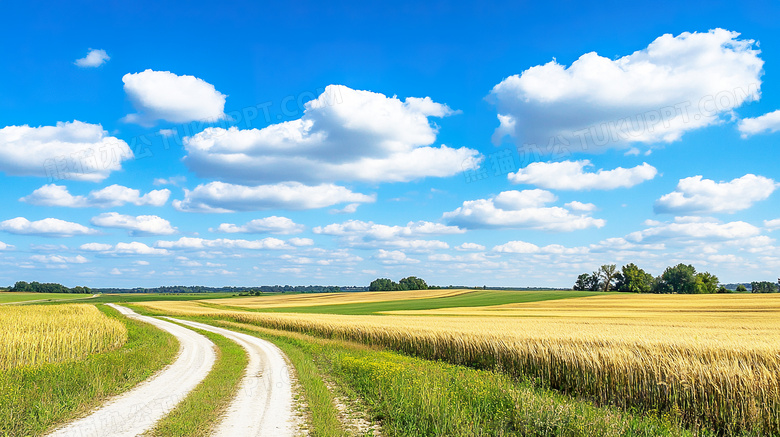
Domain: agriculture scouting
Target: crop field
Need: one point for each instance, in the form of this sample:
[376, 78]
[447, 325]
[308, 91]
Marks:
[13, 297]
[35, 335]
[381, 302]
[710, 362]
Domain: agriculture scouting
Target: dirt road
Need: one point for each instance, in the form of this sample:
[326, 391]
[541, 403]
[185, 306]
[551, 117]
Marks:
[137, 410]
[263, 404]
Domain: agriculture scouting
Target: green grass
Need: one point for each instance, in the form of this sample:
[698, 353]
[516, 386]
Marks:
[470, 299]
[417, 397]
[35, 399]
[321, 415]
[150, 297]
[11, 297]
[200, 411]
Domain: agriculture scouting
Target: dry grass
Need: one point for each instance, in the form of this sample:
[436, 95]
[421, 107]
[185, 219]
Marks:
[34, 335]
[310, 299]
[713, 360]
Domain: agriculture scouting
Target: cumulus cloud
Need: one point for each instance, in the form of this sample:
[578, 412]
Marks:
[571, 175]
[121, 248]
[59, 259]
[675, 85]
[372, 231]
[270, 225]
[361, 234]
[48, 227]
[70, 150]
[136, 226]
[109, 197]
[579, 206]
[223, 243]
[695, 195]
[520, 210]
[523, 247]
[224, 197]
[772, 224]
[470, 246]
[684, 229]
[349, 209]
[4, 246]
[767, 123]
[344, 135]
[94, 58]
[162, 95]
[394, 257]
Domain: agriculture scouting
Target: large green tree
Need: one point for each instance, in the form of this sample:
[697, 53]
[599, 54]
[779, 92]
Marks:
[607, 273]
[412, 283]
[679, 279]
[634, 280]
[706, 283]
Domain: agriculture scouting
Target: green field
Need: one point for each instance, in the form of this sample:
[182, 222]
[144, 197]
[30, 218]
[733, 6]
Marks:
[478, 298]
[151, 297]
[13, 297]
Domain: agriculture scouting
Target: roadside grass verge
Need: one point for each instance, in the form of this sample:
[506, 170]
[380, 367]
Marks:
[198, 414]
[36, 399]
[417, 397]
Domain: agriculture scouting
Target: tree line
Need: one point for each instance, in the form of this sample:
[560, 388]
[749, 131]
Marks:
[46, 287]
[680, 279]
[408, 283]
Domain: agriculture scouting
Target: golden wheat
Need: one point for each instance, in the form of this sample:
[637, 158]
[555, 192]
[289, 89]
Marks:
[710, 360]
[34, 335]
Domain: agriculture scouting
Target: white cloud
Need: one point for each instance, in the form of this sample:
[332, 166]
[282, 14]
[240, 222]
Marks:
[223, 243]
[349, 209]
[136, 226]
[373, 231]
[70, 150]
[523, 247]
[59, 259]
[4, 246]
[94, 58]
[470, 246]
[394, 257]
[767, 123]
[96, 247]
[695, 195]
[772, 224]
[162, 95]
[675, 85]
[570, 175]
[224, 197]
[344, 135]
[579, 206]
[684, 229]
[519, 209]
[48, 227]
[271, 225]
[131, 248]
[176, 181]
[109, 197]
[300, 242]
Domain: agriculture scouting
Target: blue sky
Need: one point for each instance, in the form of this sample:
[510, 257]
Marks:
[507, 144]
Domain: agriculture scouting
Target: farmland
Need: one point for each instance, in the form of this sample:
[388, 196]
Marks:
[710, 362]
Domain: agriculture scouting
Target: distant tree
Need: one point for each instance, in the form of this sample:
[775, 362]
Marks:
[763, 287]
[382, 284]
[412, 283]
[607, 273]
[583, 282]
[594, 282]
[706, 283]
[723, 289]
[634, 280]
[680, 279]
[741, 289]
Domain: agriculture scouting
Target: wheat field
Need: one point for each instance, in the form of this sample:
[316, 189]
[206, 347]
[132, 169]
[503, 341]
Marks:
[712, 361]
[35, 335]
